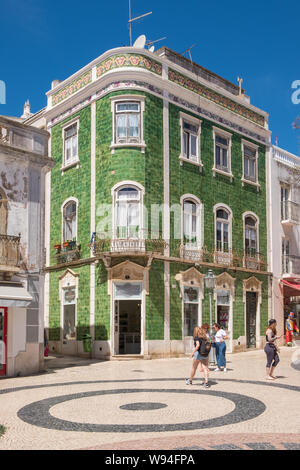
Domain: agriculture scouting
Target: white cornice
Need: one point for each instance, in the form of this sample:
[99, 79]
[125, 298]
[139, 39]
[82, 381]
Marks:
[164, 61]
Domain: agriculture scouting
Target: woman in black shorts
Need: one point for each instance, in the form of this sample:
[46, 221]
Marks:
[271, 350]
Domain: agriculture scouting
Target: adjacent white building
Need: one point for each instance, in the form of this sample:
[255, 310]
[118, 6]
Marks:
[24, 163]
[284, 234]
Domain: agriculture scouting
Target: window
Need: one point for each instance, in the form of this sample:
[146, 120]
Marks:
[191, 308]
[127, 121]
[249, 164]
[70, 144]
[251, 236]
[69, 313]
[222, 152]
[190, 224]
[70, 221]
[285, 256]
[190, 141]
[222, 230]
[285, 195]
[128, 213]
[223, 308]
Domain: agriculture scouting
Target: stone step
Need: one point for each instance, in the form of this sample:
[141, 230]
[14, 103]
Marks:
[126, 357]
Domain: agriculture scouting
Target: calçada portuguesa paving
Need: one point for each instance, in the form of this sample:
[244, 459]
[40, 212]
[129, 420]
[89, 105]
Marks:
[140, 404]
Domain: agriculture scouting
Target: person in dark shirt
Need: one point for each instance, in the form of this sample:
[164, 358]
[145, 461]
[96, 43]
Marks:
[200, 336]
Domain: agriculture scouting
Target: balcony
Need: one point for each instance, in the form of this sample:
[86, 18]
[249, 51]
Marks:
[9, 255]
[254, 260]
[289, 213]
[67, 252]
[106, 242]
[290, 265]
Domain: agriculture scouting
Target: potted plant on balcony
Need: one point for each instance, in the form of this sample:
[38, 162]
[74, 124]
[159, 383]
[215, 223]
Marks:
[57, 248]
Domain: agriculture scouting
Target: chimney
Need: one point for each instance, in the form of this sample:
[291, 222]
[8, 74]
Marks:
[55, 83]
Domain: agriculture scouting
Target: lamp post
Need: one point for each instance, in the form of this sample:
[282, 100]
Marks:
[210, 281]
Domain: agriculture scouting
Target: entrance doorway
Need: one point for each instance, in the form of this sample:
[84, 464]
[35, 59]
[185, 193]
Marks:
[251, 306]
[3, 337]
[128, 326]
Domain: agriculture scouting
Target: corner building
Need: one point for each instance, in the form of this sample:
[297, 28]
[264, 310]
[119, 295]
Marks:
[160, 175]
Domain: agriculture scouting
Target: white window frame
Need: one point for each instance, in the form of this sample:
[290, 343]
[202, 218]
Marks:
[285, 241]
[194, 122]
[225, 135]
[114, 192]
[198, 303]
[254, 216]
[71, 199]
[246, 143]
[114, 100]
[199, 227]
[227, 209]
[75, 161]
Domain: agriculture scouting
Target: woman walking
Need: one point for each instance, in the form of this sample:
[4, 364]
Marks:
[200, 356]
[220, 345]
[271, 350]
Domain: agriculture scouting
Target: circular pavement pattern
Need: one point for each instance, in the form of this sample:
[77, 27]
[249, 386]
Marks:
[38, 413]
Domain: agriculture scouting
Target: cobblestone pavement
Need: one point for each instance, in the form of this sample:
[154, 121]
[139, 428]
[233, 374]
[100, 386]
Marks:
[139, 404]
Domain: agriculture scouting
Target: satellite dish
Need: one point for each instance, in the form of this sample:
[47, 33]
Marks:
[151, 49]
[140, 42]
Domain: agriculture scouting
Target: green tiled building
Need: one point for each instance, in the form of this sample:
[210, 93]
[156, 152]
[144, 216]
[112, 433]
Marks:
[160, 176]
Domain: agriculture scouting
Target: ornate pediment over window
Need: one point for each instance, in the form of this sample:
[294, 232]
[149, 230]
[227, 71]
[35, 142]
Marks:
[68, 279]
[190, 277]
[128, 271]
[226, 282]
[252, 285]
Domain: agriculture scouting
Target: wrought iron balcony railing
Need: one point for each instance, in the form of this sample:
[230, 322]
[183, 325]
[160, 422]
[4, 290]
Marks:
[254, 260]
[135, 242]
[290, 212]
[10, 250]
[67, 252]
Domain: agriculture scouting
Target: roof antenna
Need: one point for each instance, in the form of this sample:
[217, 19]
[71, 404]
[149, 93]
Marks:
[189, 51]
[130, 21]
[150, 43]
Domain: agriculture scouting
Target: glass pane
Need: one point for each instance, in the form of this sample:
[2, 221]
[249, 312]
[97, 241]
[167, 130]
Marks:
[191, 294]
[68, 149]
[74, 147]
[133, 220]
[250, 221]
[252, 169]
[128, 107]
[127, 290]
[193, 145]
[218, 156]
[190, 318]
[250, 152]
[128, 193]
[190, 127]
[121, 220]
[133, 125]
[221, 140]
[185, 143]
[69, 331]
[70, 131]
[222, 214]
[224, 159]
[121, 125]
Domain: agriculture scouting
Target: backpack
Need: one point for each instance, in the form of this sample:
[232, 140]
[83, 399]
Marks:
[205, 347]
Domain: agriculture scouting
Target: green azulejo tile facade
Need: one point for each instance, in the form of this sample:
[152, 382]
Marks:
[151, 191]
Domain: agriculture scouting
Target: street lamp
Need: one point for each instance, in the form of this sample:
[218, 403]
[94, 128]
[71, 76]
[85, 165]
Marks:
[210, 281]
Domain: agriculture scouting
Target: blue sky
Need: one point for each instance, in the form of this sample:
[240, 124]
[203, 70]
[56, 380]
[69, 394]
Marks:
[42, 40]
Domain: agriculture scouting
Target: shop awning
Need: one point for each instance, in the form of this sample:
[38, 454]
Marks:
[290, 289]
[14, 295]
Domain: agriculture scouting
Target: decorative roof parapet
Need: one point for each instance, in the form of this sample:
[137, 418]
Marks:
[128, 60]
[70, 89]
[202, 90]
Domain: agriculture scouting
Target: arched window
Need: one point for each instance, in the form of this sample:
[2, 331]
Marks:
[70, 221]
[251, 236]
[128, 212]
[222, 230]
[191, 236]
[3, 213]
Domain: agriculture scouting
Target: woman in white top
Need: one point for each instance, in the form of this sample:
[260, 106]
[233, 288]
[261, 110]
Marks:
[220, 344]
